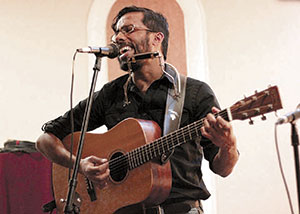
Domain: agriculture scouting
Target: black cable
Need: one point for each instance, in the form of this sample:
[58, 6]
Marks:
[282, 172]
[71, 113]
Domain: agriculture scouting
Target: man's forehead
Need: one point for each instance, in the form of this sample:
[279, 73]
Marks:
[130, 18]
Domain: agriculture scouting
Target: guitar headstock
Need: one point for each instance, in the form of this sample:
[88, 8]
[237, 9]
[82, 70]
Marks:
[260, 103]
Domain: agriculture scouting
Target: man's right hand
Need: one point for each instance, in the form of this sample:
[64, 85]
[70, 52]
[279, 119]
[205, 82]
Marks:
[96, 170]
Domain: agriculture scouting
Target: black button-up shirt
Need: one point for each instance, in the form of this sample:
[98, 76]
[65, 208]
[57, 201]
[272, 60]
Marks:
[108, 109]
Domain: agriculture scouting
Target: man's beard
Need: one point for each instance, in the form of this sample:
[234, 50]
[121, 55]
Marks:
[124, 63]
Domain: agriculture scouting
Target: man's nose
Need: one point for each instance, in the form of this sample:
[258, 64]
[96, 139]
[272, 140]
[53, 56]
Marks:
[119, 37]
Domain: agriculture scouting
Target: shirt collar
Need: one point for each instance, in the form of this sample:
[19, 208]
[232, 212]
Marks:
[172, 77]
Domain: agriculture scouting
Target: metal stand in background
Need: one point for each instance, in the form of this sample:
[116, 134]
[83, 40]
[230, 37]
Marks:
[295, 144]
[73, 200]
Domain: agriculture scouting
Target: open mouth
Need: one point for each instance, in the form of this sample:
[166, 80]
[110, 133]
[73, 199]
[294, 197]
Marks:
[125, 49]
[126, 52]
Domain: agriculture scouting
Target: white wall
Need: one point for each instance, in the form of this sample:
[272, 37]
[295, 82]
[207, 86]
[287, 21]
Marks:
[37, 40]
[249, 45]
[253, 44]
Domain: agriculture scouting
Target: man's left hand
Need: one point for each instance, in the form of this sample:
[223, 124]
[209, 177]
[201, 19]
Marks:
[218, 130]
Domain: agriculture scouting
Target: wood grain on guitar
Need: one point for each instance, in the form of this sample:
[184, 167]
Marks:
[132, 148]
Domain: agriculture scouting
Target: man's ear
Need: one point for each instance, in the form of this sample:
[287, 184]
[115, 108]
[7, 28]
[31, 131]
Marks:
[158, 38]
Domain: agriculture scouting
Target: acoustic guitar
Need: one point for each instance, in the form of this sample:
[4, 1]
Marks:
[132, 148]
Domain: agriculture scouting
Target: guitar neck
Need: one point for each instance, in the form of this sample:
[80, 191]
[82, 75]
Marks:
[167, 143]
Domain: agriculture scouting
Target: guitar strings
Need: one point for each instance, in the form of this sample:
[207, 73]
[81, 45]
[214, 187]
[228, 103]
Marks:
[139, 155]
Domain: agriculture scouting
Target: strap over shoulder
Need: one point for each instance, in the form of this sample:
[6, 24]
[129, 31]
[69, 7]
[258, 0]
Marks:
[174, 104]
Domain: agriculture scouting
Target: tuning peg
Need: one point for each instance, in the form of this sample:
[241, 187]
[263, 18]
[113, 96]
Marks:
[254, 98]
[270, 107]
[251, 122]
[245, 115]
[263, 117]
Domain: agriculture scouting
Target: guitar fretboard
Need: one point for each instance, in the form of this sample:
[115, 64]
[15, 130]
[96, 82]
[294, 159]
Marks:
[167, 143]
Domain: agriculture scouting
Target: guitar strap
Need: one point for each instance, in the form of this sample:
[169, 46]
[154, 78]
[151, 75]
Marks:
[174, 104]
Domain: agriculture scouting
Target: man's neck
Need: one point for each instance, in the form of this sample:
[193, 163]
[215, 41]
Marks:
[148, 73]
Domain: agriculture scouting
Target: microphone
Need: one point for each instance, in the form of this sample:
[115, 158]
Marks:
[289, 117]
[111, 50]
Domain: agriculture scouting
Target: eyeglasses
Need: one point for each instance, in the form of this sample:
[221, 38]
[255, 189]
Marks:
[128, 29]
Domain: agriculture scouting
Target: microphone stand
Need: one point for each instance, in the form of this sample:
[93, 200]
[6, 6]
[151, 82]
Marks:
[73, 202]
[295, 144]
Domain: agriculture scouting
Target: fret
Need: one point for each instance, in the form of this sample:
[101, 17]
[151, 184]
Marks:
[150, 152]
[162, 148]
[143, 156]
[140, 154]
[154, 149]
[132, 158]
[195, 127]
[189, 130]
[135, 158]
[177, 137]
[183, 136]
[129, 161]
[158, 149]
[172, 142]
[142, 151]
[170, 145]
[137, 155]
[168, 142]
[132, 161]
[147, 152]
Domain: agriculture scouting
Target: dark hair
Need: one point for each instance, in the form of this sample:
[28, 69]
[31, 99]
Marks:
[153, 20]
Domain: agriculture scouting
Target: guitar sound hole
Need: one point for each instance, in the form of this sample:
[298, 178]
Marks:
[118, 166]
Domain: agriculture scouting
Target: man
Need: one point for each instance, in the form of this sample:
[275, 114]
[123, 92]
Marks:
[143, 95]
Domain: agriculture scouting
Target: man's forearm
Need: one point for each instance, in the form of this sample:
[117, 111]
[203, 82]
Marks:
[225, 161]
[53, 149]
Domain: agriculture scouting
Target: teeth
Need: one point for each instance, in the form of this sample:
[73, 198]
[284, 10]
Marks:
[124, 49]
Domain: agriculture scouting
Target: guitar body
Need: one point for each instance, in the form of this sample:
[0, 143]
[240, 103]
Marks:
[146, 185]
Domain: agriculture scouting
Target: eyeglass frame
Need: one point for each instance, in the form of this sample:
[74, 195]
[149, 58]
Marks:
[134, 29]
